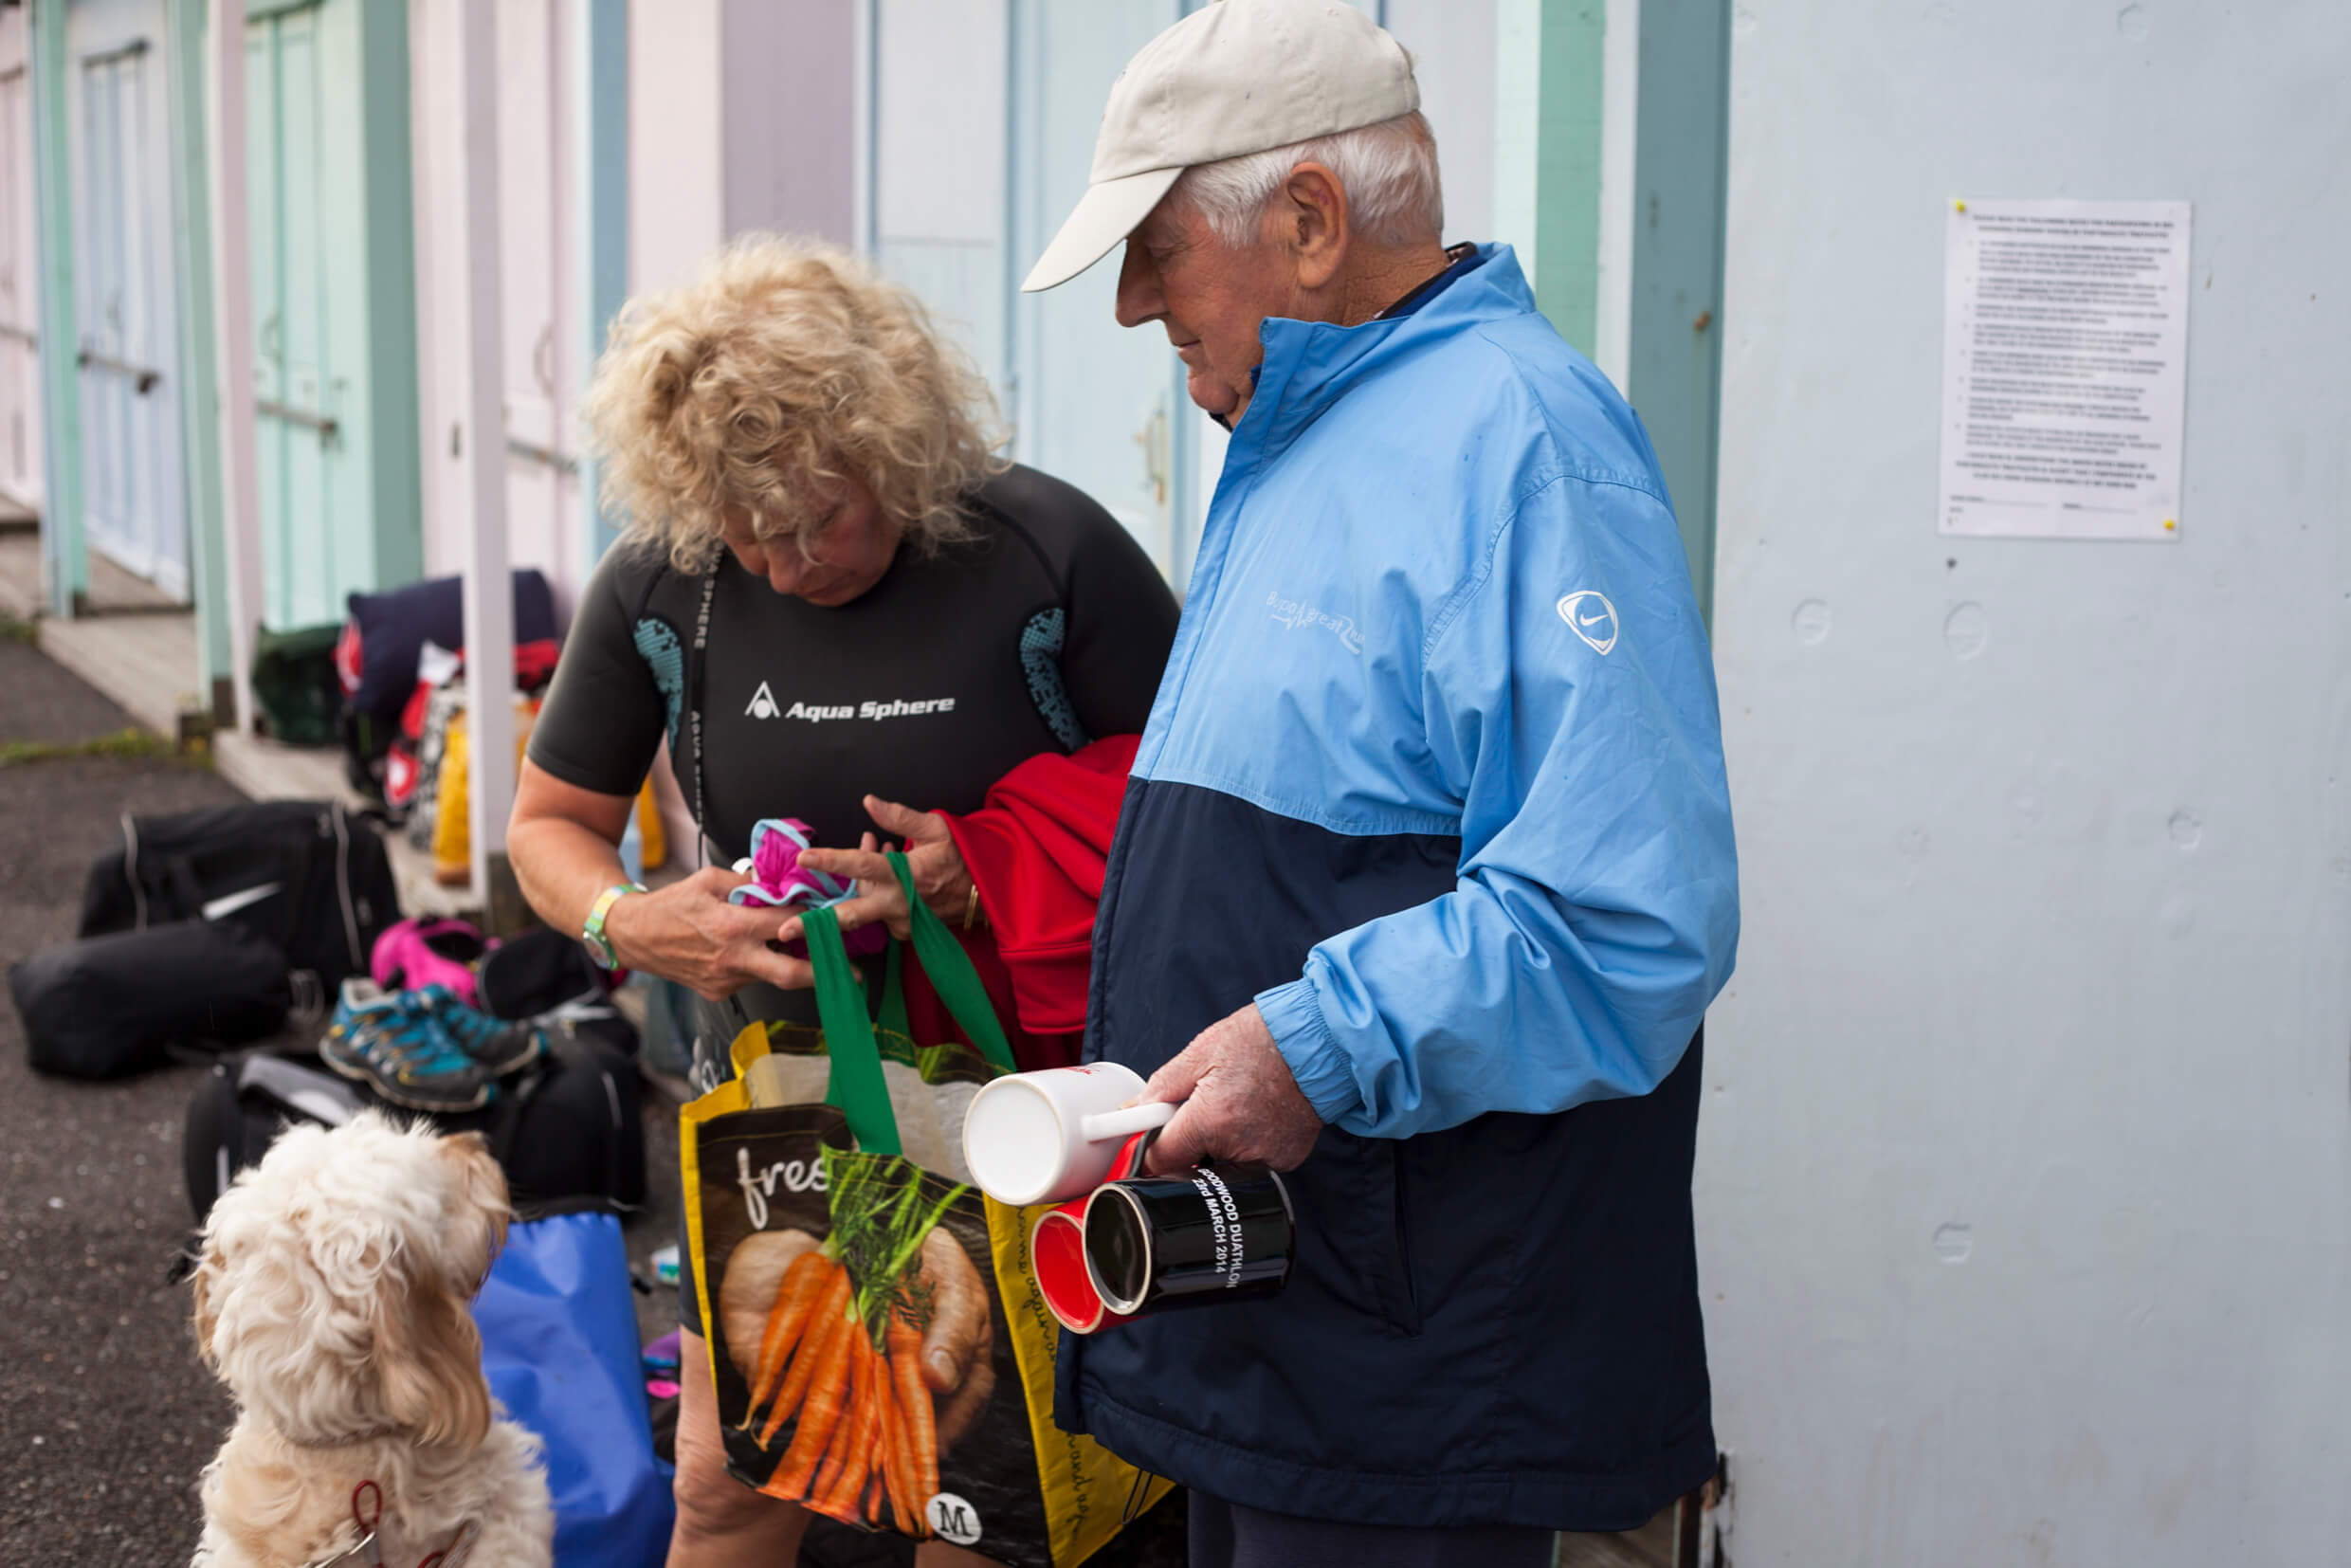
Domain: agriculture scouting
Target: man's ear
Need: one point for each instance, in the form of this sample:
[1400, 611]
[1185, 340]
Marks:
[1315, 224]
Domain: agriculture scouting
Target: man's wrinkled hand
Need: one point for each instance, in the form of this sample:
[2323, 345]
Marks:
[1239, 1100]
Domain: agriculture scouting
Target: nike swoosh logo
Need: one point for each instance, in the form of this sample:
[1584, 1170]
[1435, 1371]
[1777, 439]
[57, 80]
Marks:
[1593, 620]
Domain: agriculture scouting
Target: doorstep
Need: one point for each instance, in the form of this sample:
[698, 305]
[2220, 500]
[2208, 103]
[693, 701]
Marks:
[19, 575]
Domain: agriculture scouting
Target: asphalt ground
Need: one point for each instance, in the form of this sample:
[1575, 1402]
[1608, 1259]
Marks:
[106, 1416]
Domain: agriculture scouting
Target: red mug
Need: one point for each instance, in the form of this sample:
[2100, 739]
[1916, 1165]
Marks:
[1057, 1252]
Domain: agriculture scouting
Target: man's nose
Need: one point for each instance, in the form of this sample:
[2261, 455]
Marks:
[1138, 288]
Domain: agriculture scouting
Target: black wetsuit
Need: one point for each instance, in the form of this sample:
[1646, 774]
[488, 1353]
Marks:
[1049, 630]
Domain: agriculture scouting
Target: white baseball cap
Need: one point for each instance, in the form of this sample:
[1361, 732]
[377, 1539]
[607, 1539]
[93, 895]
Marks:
[1240, 76]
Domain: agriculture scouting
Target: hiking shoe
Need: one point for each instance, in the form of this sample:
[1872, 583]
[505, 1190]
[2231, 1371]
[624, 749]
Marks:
[396, 1048]
[500, 1046]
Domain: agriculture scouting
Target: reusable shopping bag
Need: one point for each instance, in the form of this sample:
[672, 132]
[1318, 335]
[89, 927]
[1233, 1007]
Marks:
[831, 1226]
[560, 1346]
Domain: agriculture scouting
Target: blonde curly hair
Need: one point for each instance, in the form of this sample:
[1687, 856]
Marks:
[787, 362]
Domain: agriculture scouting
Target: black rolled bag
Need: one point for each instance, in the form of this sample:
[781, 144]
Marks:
[117, 1004]
[243, 1105]
[307, 874]
[569, 1130]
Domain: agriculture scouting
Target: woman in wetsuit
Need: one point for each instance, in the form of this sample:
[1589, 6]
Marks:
[829, 597]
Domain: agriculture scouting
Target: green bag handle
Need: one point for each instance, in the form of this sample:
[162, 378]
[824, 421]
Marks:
[855, 1086]
[893, 1013]
[950, 971]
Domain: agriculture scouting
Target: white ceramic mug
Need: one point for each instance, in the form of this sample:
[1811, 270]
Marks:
[1044, 1137]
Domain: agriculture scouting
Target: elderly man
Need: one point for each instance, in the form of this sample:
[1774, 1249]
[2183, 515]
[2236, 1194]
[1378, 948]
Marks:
[1425, 877]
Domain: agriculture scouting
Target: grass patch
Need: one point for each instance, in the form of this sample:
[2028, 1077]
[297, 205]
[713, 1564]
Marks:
[128, 744]
[15, 630]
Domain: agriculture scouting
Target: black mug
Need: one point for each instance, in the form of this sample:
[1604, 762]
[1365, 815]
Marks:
[1194, 1238]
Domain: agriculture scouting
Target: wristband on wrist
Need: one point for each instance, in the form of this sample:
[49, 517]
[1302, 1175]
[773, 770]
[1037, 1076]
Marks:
[592, 934]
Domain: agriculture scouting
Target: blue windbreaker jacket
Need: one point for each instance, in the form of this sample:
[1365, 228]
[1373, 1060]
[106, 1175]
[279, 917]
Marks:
[1435, 776]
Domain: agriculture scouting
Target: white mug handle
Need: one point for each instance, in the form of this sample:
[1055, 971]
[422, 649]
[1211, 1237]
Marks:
[1103, 1126]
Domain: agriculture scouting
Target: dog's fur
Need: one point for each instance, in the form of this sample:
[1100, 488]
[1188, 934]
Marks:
[332, 1297]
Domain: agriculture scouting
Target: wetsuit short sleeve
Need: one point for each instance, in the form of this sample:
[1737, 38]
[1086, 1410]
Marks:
[604, 715]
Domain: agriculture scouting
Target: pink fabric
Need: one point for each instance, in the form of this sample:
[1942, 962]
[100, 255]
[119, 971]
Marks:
[777, 864]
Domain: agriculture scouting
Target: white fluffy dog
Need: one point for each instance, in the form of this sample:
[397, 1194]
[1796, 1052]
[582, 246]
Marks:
[333, 1298]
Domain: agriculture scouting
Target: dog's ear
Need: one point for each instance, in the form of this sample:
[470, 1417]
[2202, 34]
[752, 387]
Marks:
[207, 1317]
[428, 1356]
[485, 1198]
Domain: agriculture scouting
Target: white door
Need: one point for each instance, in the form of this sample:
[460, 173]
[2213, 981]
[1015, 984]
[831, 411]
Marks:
[938, 202]
[538, 253]
[546, 526]
[1096, 404]
[20, 305]
[130, 446]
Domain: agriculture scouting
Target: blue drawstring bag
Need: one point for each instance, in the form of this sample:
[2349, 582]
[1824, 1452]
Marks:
[560, 1344]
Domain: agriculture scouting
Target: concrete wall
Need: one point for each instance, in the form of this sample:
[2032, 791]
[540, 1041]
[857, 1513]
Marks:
[2026, 1169]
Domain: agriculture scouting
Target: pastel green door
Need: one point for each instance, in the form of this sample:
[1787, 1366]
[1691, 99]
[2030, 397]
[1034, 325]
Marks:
[296, 428]
[332, 246]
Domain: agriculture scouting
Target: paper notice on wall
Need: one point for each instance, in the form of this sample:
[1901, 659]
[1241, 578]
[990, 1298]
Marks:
[2065, 344]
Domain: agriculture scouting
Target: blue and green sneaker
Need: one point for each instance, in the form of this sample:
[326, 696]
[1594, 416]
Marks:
[500, 1046]
[396, 1048]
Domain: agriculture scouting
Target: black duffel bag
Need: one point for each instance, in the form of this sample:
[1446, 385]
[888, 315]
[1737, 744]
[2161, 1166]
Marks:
[117, 1004]
[307, 874]
[568, 1129]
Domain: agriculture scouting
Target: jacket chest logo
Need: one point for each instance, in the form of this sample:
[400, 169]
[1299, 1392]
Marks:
[1298, 615]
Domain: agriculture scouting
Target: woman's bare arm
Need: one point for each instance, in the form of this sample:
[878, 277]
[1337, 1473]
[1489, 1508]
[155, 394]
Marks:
[563, 842]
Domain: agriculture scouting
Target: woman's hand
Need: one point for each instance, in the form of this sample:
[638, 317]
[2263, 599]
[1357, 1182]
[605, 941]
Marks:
[688, 933]
[939, 872]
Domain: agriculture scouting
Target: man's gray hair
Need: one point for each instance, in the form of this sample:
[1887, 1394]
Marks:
[1388, 171]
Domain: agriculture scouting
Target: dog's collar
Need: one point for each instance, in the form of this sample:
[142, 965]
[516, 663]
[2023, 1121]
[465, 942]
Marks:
[370, 1435]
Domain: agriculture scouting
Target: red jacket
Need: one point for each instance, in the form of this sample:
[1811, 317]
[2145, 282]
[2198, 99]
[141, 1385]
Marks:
[1037, 849]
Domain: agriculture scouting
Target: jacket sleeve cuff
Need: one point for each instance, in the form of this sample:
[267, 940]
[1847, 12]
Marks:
[1325, 1073]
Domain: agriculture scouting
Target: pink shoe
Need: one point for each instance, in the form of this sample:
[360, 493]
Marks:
[415, 954]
